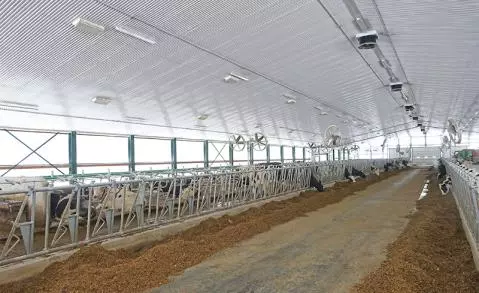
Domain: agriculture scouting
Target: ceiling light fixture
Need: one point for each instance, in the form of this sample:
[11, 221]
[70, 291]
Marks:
[87, 26]
[18, 105]
[291, 101]
[102, 100]
[135, 34]
[202, 116]
[239, 76]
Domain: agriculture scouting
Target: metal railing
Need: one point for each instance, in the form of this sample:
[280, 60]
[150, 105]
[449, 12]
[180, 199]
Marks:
[465, 188]
[39, 218]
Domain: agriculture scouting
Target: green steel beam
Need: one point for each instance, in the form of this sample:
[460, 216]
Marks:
[206, 158]
[348, 155]
[281, 153]
[231, 158]
[131, 153]
[334, 157]
[293, 149]
[174, 158]
[327, 156]
[72, 153]
[268, 153]
[304, 154]
[339, 155]
[250, 154]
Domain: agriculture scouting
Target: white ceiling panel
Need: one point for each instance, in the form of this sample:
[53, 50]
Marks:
[305, 49]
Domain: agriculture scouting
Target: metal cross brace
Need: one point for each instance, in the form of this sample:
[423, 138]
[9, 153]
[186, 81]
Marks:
[33, 151]
[219, 153]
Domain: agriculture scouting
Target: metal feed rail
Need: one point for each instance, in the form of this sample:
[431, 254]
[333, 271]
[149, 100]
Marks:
[465, 188]
[111, 209]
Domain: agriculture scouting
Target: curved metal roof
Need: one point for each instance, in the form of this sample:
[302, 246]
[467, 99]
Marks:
[300, 49]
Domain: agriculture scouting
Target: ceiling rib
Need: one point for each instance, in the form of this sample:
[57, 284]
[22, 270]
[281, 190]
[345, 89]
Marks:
[224, 58]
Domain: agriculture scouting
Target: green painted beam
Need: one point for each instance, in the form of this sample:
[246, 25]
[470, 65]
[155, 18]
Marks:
[131, 153]
[250, 154]
[268, 154]
[304, 154]
[231, 158]
[281, 152]
[72, 153]
[206, 158]
[294, 153]
[334, 157]
[174, 158]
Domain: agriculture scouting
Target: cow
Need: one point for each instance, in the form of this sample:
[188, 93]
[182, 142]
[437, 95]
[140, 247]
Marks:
[445, 186]
[313, 181]
[441, 171]
[351, 177]
[357, 173]
[375, 170]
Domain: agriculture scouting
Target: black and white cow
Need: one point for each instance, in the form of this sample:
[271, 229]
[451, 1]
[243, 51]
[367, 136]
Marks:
[284, 173]
[353, 175]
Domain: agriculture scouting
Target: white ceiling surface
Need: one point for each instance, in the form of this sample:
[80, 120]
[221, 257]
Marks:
[282, 47]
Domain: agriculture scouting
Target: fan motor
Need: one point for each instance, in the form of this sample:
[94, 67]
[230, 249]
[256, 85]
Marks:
[396, 86]
[367, 40]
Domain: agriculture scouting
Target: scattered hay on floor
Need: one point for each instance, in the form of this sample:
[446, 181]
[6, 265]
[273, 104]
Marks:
[94, 269]
[431, 255]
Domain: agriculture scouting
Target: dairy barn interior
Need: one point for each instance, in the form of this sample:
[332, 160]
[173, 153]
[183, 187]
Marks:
[239, 146]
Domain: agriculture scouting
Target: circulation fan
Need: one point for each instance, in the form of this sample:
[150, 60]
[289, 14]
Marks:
[455, 133]
[332, 136]
[238, 141]
[258, 142]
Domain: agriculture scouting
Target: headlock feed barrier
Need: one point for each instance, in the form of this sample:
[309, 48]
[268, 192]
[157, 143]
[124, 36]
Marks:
[38, 217]
[465, 188]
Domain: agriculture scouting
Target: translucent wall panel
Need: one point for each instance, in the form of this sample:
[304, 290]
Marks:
[241, 157]
[152, 154]
[14, 152]
[299, 154]
[307, 157]
[189, 154]
[275, 153]
[102, 150]
[218, 154]
[288, 154]
[259, 156]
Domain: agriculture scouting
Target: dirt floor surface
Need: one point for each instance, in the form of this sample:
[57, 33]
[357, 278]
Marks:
[431, 255]
[94, 269]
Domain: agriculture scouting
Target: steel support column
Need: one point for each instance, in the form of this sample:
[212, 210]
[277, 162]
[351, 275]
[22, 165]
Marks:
[72, 153]
[206, 159]
[333, 155]
[339, 155]
[304, 154]
[131, 153]
[231, 154]
[174, 160]
[293, 149]
[268, 154]
[281, 153]
[250, 154]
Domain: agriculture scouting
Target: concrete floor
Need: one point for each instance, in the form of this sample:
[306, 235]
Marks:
[328, 251]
